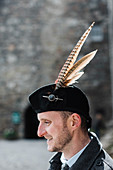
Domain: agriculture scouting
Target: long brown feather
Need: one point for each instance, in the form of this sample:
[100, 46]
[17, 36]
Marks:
[72, 58]
[73, 80]
[79, 65]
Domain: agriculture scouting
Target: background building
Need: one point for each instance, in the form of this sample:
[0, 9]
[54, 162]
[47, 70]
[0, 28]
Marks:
[36, 38]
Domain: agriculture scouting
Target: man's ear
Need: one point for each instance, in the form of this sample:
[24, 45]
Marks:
[75, 120]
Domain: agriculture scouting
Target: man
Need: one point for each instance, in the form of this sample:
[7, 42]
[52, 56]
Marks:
[63, 113]
[65, 123]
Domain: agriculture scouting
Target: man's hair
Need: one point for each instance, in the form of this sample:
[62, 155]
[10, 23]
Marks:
[65, 115]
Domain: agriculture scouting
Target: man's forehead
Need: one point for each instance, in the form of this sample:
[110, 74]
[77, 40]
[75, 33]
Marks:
[48, 114]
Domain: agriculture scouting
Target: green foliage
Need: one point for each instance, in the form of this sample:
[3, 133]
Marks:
[10, 134]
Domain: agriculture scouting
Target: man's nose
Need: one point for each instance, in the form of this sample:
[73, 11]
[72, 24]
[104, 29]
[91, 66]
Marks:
[41, 131]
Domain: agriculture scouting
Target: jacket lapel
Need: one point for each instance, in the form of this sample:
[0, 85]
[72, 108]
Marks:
[55, 163]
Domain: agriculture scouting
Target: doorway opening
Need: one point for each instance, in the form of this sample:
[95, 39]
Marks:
[30, 123]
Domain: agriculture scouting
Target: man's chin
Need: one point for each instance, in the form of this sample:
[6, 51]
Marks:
[49, 143]
[52, 149]
[51, 146]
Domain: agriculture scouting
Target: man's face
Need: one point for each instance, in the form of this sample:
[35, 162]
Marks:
[53, 128]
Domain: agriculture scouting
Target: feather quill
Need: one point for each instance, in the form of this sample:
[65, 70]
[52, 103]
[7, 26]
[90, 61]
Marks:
[68, 68]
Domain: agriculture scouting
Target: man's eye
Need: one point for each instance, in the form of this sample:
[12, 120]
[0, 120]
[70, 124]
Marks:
[47, 122]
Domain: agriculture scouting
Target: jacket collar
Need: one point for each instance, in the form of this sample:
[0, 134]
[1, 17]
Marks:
[89, 155]
[55, 162]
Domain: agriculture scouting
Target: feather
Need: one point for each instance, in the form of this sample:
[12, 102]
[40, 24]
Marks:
[79, 65]
[71, 59]
[73, 80]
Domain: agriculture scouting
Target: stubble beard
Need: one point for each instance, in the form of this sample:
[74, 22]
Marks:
[62, 140]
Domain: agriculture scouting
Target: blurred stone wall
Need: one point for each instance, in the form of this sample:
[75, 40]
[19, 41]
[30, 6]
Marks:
[36, 37]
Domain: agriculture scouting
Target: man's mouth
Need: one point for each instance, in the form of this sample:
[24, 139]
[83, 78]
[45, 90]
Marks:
[48, 140]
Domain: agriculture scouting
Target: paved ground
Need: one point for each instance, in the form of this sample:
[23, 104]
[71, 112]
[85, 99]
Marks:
[33, 155]
[24, 155]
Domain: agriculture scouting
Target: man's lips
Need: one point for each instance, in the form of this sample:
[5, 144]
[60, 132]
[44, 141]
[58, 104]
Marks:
[48, 140]
[48, 137]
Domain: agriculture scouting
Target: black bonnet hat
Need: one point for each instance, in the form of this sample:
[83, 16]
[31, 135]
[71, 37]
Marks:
[63, 95]
[70, 99]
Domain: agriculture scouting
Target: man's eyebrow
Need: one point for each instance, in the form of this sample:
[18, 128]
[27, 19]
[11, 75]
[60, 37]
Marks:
[43, 119]
[40, 118]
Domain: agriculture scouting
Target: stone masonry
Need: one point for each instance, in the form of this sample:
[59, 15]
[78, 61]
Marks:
[36, 37]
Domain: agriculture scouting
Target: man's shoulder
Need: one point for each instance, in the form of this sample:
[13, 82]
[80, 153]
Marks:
[108, 161]
[103, 161]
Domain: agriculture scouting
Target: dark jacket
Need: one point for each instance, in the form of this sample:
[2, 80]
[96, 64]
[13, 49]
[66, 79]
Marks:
[94, 157]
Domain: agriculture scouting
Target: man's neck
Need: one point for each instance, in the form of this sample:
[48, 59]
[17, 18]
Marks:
[78, 142]
[73, 159]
